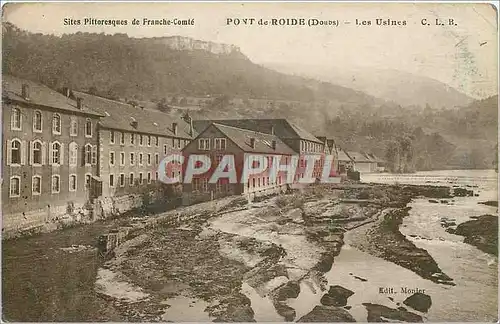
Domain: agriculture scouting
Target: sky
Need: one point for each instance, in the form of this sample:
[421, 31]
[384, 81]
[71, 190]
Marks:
[463, 54]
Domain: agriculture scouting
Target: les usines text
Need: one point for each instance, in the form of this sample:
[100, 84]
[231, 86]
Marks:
[126, 22]
[385, 22]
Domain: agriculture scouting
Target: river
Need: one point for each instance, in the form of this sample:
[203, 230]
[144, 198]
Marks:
[41, 282]
[475, 296]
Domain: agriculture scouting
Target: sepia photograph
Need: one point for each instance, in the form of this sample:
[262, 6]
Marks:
[249, 162]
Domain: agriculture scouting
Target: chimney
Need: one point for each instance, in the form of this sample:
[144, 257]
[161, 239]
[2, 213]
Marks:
[66, 92]
[25, 91]
[174, 128]
[252, 142]
[273, 144]
[79, 103]
[272, 130]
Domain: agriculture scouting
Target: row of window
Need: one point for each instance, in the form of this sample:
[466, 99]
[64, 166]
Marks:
[131, 179]
[306, 146]
[55, 184]
[262, 182]
[219, 144]
[37, 153]
[145, 140]
[132, 158]
[16, 123]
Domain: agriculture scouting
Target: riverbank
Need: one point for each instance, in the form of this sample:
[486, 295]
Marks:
[228, 262]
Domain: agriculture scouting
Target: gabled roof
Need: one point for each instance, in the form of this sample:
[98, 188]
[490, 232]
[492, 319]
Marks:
[343, 156]
[358, 157]
[41, 95]
[241, 137]
[282, 127]
[120, 116]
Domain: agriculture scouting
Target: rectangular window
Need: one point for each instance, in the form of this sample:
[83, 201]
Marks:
[88, 128]
[15, 119]
[149, 177]
[131, 179]
[132, 158]
[220, 143]
[37, 121]
[178, 143]
[15, 186]
[204, 184]
[149, 140]
[112, 137]
[157, 159]
[122, 180]
[122, 138]
[56, 124]
[36, 185]
[73, 127]
[156, 175]
[72, 182]
[56, 183]
[111, 158]
[140, 178]
[204, 144]
[165, 149]
[140, 158]
[122, 158]
[157, 141]
[149, 158]
[132, 139]
[94, 155]
[141, 140]
[111, 180]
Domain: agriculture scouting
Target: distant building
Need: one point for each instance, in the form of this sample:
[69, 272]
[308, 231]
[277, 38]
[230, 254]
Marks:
[268, 137]
[218, 140]
[298, 139]
[364, 162]
[345, 162]
[50, 153]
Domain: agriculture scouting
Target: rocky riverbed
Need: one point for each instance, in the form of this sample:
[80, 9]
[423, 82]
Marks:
[224, 262]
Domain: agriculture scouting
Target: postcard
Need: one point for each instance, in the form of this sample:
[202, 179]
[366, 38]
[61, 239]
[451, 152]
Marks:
[249, 162]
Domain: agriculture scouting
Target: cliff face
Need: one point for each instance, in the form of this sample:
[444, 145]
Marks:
[186, 43]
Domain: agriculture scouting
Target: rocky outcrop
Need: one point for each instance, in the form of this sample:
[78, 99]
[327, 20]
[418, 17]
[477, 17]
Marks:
[386, 241]
[481, 232]
[186, 43]
[336, 296]
[493, 203]
[326, 314]
[379, 313]
[419, 301]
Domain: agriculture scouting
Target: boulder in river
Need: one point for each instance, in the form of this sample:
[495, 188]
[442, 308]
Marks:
[378, 313]
[419, 301]
[481, 232]
[336, 296]
[325, 263]
[286, 311]
[327, 314]
[462, 192]
[493, 203]
[289, 290]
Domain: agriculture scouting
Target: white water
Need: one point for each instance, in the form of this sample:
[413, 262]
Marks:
[475, 296]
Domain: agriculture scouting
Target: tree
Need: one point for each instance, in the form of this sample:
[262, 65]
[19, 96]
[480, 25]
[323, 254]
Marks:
[163, 106]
